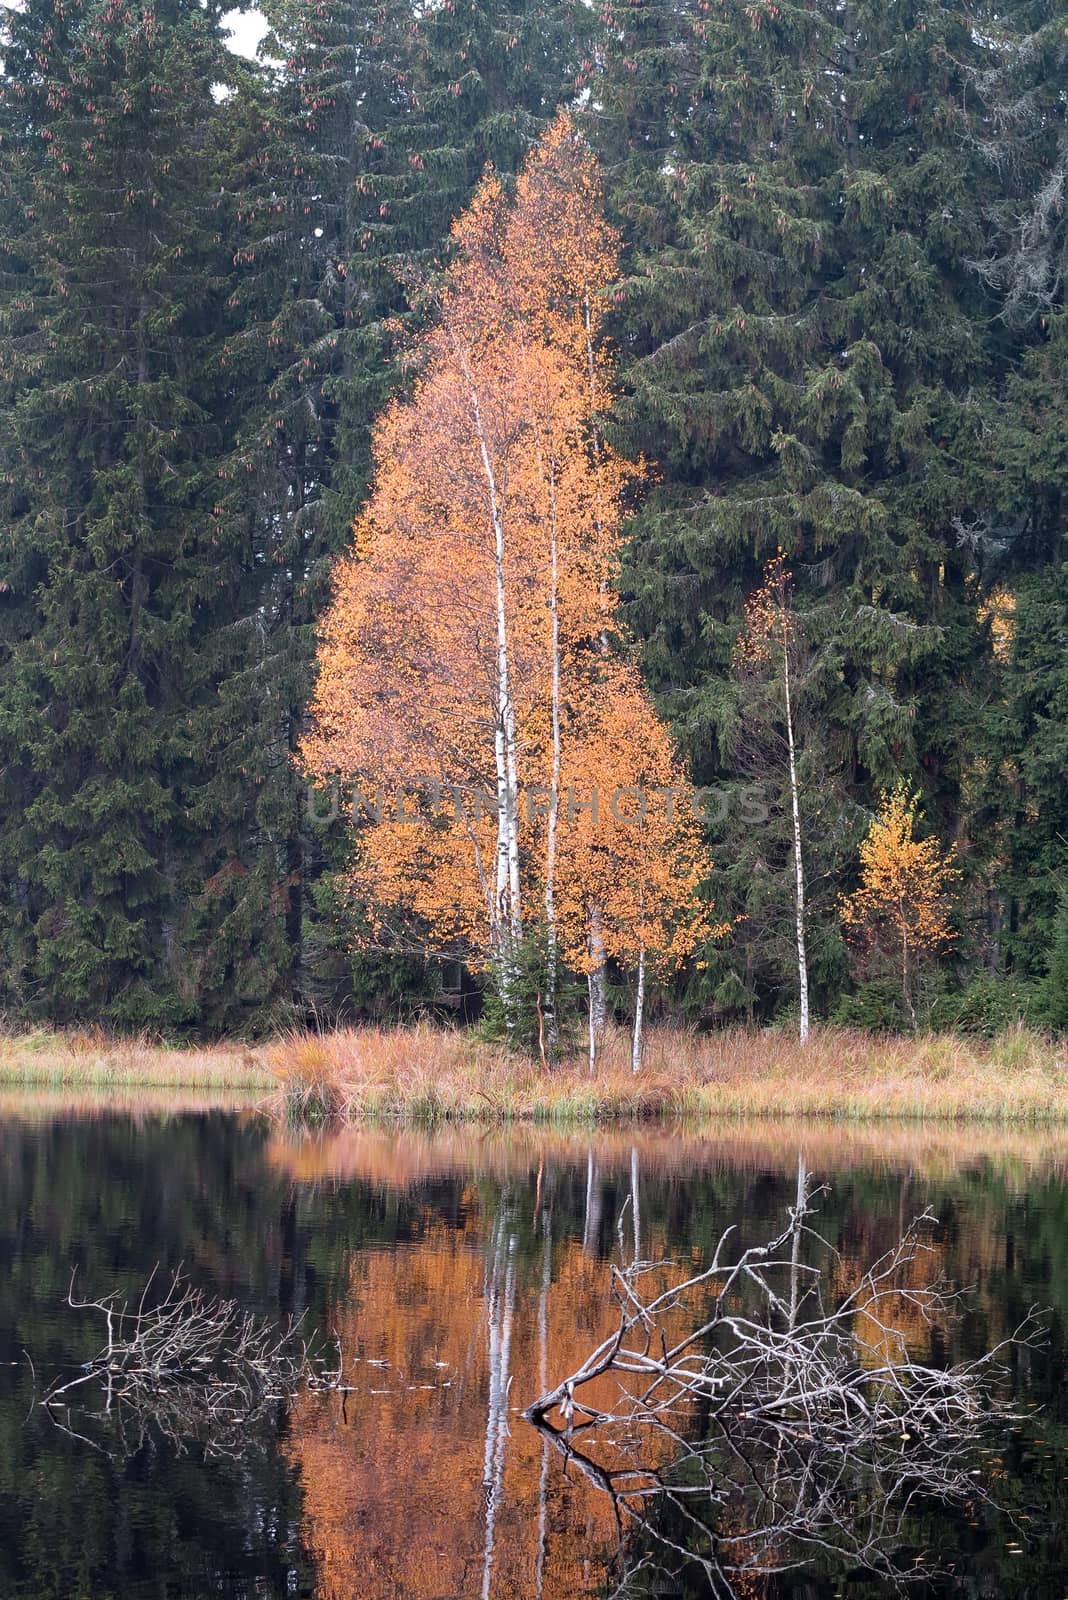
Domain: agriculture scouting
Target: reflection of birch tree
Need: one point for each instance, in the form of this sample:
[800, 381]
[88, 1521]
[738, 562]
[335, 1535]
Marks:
[500, 1309]
[543, 1382]
[635, 1203]
[591, 1224]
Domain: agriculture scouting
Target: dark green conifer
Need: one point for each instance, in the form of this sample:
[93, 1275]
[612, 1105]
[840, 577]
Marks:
[814, 361]
[114, 574]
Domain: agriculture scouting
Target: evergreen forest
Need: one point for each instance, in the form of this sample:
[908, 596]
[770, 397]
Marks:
[838, 326]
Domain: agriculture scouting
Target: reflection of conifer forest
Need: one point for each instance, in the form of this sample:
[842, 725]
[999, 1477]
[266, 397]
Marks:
[711, 460]
[457, 1275]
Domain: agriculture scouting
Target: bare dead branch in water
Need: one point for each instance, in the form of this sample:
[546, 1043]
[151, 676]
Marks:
[194, 1367]
[779, 1424]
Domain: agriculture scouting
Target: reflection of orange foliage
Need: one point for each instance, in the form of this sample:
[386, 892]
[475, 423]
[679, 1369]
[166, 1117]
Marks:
[893, 1327]
[395, 1502]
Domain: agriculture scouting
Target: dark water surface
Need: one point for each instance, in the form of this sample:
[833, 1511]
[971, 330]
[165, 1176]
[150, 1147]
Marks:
[460, 1272]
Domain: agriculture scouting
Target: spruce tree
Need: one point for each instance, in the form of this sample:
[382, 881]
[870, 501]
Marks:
[114, 576]
[1021, 537]
[1025, 741]
[1057, 978]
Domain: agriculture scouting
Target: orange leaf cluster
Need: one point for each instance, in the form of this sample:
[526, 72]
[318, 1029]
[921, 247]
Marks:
[639, 862]
[768, 620]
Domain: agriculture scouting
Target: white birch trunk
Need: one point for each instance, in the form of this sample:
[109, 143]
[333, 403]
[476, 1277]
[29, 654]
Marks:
[799, 870]
[639, 1013]
[595, 983]
[507, 927]
[551, 953]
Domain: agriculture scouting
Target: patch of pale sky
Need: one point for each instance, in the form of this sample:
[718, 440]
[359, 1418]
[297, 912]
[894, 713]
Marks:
[247, 28]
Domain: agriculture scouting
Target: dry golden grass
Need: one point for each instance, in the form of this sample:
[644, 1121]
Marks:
[422, 1074]
[90, 1059]
[429, 1075]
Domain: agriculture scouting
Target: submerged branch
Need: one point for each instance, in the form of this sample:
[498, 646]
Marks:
[193, 1367]
[762, 1415]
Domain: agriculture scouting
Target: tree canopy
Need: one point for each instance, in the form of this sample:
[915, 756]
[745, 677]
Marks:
[818, 256]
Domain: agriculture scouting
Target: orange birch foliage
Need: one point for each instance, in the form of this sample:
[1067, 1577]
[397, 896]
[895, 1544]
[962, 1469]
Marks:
[464, 644]
[630, 835]
[905, 887]
[769, 626]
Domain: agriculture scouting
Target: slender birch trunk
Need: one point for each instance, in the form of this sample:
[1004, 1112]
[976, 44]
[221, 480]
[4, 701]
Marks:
[508, 930]
[906, 983]
[639, 1009]
[799, 871]
[551, 942]
[595, 983]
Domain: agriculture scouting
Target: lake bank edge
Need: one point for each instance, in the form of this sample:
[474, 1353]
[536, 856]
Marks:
[424, 1074]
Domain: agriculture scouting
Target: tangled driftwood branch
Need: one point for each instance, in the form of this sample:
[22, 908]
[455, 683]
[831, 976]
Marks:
[191, 1367]
[772, 1425]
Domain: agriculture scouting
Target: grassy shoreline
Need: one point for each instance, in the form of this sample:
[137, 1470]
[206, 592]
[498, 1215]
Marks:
[423, 1075]
[91, 1060]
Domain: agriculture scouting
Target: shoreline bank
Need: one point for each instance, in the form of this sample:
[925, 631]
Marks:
[422, 1075]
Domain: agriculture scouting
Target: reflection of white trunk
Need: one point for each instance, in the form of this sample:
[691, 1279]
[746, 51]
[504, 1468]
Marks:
[500, 1311]
[799, 871]
[635, 1202]
[591, 1228]
[543, 1381]
[639, 1011]
[596, 983]
[795, 1253]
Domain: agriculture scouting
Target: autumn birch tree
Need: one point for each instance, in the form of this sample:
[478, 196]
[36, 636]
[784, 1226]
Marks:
[632, 844]
[904, 890]
[474, 626]
[768, 642]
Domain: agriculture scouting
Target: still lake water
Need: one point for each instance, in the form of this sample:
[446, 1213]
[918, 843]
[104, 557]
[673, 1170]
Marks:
[456, 1268]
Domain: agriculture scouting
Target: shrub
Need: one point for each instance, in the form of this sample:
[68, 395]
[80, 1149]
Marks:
[987, 1006]
[875, 1007]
